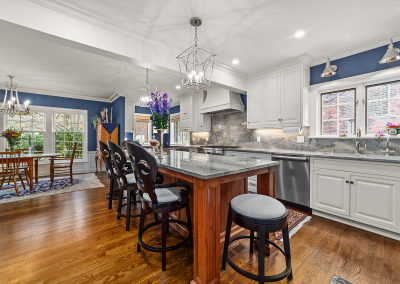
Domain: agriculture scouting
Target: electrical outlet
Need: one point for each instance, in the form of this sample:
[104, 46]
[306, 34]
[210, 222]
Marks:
[300, 139]
[193, 139]
[219, 126]
[258, 139]
[207, 139]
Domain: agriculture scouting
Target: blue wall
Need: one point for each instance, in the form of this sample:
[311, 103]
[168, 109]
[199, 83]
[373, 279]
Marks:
[357, 64]
[92, 107]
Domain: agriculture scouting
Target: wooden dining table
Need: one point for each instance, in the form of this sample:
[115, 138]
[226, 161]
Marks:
[33, 160]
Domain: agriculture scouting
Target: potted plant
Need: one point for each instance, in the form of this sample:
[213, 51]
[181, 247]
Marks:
[159, 107]
[12, 136]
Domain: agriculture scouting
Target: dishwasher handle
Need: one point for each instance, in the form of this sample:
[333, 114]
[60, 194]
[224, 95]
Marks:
[290, 158]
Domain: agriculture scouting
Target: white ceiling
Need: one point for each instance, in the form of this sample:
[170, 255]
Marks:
[260, 33]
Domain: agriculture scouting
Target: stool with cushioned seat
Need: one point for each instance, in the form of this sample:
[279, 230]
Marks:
[262, 214]
[158, 198]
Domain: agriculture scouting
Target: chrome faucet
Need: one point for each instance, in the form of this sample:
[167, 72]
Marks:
[358, 143]
[387, 151]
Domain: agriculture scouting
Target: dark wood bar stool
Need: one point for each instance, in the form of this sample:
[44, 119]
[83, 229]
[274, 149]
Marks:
[126, 182]
[262, 214]
[158, 198]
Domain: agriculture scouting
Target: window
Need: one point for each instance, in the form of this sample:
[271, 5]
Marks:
[143, 127]
[33, 130]
[338, 113]
[177, 136]
[383, 105]
[69, 129]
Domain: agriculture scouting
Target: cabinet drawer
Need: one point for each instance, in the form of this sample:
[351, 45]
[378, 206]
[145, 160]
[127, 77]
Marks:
[186, 124]
[252, 188]
[232, 154]
[256, 156]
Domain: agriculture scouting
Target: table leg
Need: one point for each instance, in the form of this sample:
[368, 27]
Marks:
[30, 164]
[206, 195]
[36, 170]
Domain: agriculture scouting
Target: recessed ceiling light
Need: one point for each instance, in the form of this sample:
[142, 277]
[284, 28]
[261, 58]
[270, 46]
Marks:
[235, 61]
[299, 34]
[178, 87]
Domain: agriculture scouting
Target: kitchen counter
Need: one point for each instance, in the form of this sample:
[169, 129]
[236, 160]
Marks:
[360, 157]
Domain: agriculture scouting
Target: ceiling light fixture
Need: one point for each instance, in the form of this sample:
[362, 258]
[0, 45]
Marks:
[178, 87]
[235, 61]
[299, 34]
[145, 90]
[392, 54]
[12, 106]
[196, 64]
[329, 70]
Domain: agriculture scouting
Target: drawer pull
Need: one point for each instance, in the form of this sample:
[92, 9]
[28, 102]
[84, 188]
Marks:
[233, 155]
[253, 184]
[255, 157]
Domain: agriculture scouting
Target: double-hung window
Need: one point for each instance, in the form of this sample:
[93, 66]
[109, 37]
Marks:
[143, 128]
[383, 105]
[68, 130]
[33, 130]
[338, 112]
[177, 136]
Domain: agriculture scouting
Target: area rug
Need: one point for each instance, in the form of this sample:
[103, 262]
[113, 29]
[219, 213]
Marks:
[42, 188]
[296, 220]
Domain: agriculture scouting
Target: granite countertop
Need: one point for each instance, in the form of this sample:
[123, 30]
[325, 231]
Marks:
[208, 166]
[344, 156]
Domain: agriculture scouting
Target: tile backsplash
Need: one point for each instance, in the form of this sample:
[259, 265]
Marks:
[231, 129]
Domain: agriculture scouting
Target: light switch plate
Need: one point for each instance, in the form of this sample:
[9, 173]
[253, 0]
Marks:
[258, 139]
[207, 139]
[300, 139]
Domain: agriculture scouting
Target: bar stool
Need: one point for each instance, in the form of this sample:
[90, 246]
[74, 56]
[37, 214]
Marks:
[262, 214]
[126, 181]
[158, 198]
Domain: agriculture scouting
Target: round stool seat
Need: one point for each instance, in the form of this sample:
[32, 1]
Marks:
[258, 206]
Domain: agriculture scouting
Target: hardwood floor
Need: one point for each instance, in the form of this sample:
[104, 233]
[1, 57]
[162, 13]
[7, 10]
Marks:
[74, 238]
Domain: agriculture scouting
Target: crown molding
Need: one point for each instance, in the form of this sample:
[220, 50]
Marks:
[385, 40]
[229, 69]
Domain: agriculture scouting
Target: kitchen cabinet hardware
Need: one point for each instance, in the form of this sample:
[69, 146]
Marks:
[233, 155]
[347, 181]
[352, 182]
[255, 157]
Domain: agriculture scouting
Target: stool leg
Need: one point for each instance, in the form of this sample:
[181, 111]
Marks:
[110, 194]
[167, 223]
[141, 225]
[120, 197]
[164, 216]
[251, 241]
[128, 208]
[286, 245]
[261, 254]
[189, 222]
[155, 217]
[227, 237]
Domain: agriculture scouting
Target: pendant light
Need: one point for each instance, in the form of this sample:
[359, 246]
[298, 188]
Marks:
[329, 70]
[196, 64]
[145, 90]
[11, 105]
[392, 54]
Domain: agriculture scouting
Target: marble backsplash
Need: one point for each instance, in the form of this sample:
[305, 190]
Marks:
[231, 130]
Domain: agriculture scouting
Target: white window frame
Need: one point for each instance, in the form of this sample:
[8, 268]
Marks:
[149, 130]
[172, 136]
[49, 133]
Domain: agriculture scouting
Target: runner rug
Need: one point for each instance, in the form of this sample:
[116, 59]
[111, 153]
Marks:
[296, 220]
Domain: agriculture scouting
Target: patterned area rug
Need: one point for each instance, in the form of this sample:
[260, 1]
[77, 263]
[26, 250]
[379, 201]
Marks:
[296, 220]
[42, 188]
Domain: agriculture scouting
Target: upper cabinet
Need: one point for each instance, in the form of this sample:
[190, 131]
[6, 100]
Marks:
[202, 122]
[276, 100]
[186, 107]
[190, 116]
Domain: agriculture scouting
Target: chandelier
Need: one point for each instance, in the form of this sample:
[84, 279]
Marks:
[11, 105]
[196, 64]
[145, 90]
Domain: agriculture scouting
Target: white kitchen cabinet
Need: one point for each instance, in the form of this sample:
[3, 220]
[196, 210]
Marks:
[129, 118]
[272, 101]
[202, 122]
[186, 108]
[190, 116]
[254, 104]
[291, 106]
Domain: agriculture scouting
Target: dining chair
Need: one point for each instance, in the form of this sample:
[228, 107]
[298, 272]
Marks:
[10, 162]
[159, 199]
[62, 169]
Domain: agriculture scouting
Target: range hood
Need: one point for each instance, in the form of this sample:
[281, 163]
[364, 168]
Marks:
[222, 101]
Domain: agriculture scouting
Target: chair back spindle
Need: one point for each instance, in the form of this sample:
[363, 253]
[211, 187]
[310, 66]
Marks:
[10, 163]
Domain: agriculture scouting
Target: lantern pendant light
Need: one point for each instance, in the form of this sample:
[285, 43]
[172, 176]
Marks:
[145, 90]
[329, 70]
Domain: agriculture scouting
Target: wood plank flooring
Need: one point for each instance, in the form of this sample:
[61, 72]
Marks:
[74, 238]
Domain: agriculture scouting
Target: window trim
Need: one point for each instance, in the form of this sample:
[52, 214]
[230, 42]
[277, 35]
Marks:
[366, 104]
[321, 112]
[149, 131]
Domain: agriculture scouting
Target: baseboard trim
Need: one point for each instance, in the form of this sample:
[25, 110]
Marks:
[359, 225]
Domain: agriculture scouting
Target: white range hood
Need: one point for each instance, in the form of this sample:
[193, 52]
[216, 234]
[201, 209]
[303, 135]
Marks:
[221, 101]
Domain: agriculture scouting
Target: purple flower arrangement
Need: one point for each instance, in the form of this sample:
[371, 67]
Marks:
[159, 107]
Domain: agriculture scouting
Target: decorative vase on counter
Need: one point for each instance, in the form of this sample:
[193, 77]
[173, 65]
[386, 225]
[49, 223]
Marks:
[161, 140]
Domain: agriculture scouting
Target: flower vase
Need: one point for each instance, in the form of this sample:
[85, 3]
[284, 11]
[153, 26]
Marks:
[161, 140]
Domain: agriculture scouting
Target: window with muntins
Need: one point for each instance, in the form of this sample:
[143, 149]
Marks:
[383, 105]
[68, 130]
[33, 130]
[338, 114]
[178, 136]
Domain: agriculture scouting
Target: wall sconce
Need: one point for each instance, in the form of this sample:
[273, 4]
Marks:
[392, 54]
[329, 70]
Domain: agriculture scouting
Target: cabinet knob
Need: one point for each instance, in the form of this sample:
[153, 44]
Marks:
[185, 112]
[352, 182]
[248, 122]
[201, 126]
[347, 181]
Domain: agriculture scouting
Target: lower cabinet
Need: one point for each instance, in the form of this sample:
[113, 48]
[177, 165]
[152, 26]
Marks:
[359, 194]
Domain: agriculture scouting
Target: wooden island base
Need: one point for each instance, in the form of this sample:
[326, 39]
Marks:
[209, 203]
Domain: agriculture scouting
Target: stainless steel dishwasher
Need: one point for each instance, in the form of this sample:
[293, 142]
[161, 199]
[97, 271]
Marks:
[293, 179]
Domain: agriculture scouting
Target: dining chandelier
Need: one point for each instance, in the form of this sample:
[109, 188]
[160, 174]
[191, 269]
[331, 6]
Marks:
[196, 64]
[11, 105]
[145, 90]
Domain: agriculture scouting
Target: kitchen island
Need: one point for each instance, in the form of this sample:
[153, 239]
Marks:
[214, 180]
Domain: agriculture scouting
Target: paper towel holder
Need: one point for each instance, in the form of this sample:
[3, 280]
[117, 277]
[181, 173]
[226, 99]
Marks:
[293, 130]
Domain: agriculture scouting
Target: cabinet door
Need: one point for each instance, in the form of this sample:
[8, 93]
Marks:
[186, 108]
[291, 97]
[254, 104]
[198, 117]
[331, 191]
[374, 199]
[186, 124]
[272, 100]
